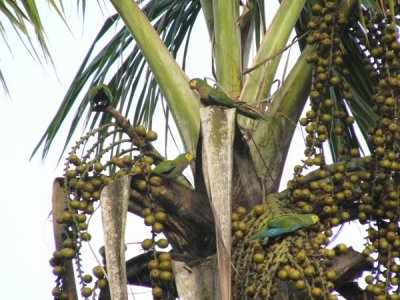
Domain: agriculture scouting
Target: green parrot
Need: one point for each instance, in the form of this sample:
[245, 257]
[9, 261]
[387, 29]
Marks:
[212, 96]
[173, 168]
[284, 224]
[100, 97]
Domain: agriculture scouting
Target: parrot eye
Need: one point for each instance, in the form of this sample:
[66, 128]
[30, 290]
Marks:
[314, 219]
[192, 83]
[189, 157]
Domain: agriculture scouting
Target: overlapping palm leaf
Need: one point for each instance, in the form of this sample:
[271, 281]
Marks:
[134, 87]
[21, 16]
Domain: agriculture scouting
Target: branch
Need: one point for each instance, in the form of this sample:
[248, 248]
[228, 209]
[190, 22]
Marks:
[190, 224]
[348, 267]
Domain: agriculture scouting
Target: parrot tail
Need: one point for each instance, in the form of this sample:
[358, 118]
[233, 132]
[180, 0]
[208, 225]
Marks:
[250, 111]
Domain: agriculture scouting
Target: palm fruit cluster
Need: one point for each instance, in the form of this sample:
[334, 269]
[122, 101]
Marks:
[328, 119]
[365, 189]
[160, 266]
[356, 187]
[264, 266]
[85, 177]
[380, 206]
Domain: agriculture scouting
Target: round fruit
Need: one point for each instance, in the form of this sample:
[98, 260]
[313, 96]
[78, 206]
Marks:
[162, 243]
[165, 265]
[68, 253]
[147, 244]
[165, 256]
[316, 292]
[86, 236]
[258, 258]
[300, 284]
[149, 220]
[155, 181]
[330, 275]
[80, 218]
[68, 243]
[157, 291]
[141, 185]
[309, 271]
[146, 212]
[241, 210]
[153, 264]
[86, 291]
[102, 283]
[282, 274]
[294, 274]
[151, 135]
[87, 278]
[98, 272]
[251, 290]
[58, 270]
[158, 227]
[155, 274]
[239, 234]
[166, 276]
[140, 130]
[56, 292]
[160, 216]
[242, 226]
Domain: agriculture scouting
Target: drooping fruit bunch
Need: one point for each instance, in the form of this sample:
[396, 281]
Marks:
[160, 266]
[364, 189]
[380, 204]
[329, 190]
[85, 177]
[357, 186]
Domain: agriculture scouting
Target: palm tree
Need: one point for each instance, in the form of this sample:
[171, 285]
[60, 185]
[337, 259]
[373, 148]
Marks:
[349, 71]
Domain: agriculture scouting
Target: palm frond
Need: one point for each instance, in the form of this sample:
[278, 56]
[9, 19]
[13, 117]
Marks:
[21, 17]
[257, 86]
[121, 61]
[3, 83]
[361, 89]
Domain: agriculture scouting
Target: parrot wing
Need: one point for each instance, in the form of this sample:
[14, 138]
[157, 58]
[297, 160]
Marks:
[270, 233]
[284, 224]
[164, 167]
[285, 221]
[221, 99]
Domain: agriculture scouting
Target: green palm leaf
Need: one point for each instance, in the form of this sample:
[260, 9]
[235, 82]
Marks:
[173, 20]
[21, 17]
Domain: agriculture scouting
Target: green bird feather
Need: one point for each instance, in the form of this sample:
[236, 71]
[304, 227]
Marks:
[212, 96]
[100, 97]
[173, 168]
[285, 223]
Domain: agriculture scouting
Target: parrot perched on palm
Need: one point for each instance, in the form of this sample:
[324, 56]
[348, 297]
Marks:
[284, 224]
[212, 96]
[100, 97]
[173, 168]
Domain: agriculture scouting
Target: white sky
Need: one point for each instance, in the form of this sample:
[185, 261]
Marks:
[36, 94]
